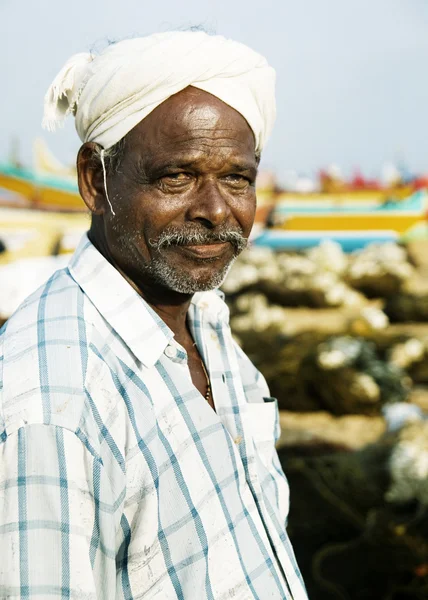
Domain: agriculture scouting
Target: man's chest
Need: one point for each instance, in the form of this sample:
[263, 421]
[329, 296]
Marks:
[192, 474]
[195, 478]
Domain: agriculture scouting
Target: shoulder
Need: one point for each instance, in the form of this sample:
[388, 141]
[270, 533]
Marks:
[56, 299]
[43, 356]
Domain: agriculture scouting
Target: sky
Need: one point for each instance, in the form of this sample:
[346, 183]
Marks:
[352, 75]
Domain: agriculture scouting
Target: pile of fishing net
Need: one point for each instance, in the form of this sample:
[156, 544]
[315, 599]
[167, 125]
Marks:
[307, 279]
[339, 374]
[359, 520]
[322, 276]
[328, 332]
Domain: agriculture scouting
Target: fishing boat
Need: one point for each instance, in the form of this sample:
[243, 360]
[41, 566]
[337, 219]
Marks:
[296, 225]
[26, 233]
[42, 191]
[392, 215]
[340, 197]
[281, 240]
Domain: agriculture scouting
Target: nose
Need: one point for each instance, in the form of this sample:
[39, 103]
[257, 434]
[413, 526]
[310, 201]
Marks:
[209, 206]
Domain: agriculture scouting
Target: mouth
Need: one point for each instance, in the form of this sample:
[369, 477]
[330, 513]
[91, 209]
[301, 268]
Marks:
[213, 250]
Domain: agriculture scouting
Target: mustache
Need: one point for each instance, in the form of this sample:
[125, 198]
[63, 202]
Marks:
[189, 235]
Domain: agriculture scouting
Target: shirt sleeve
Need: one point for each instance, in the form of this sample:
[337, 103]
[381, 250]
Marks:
[57, 527]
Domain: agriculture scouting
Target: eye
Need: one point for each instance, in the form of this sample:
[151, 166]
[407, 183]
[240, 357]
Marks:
[238, 181]
[176, 178]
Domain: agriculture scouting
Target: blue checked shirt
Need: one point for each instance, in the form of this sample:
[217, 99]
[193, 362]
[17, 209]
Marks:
[117, 479]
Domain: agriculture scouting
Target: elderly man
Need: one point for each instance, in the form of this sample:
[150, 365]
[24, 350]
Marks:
[138, 441]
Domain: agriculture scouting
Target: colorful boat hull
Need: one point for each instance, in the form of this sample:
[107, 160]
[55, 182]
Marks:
[44, 192]
[280, 240]
[398, 216]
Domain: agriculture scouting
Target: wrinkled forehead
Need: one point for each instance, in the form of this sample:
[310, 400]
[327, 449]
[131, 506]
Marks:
[190, 118]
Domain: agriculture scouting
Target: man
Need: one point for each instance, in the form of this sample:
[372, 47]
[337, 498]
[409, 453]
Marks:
[138, 456]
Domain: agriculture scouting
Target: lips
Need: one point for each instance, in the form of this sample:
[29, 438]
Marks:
[213, 250]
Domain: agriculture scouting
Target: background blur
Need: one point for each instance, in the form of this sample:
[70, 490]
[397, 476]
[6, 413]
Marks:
[331, 299]
[351, 86]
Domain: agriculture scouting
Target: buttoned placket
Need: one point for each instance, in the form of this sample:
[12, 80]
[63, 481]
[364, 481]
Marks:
[175, 352]
[210, 349]
[220, 390]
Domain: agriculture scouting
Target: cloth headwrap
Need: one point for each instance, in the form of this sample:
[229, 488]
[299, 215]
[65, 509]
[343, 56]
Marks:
[111, 93]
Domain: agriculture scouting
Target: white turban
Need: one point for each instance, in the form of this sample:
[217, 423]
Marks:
[111, 93]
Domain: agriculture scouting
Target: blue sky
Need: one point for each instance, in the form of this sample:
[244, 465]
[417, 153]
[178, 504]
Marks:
[352, 75]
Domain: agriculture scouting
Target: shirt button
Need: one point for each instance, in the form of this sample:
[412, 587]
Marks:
[170, 351]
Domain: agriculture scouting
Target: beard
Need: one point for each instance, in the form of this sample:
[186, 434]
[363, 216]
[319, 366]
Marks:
[190, 281]
[202, 274]
[183, 281]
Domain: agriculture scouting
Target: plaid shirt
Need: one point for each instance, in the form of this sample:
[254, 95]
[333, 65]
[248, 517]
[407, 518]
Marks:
[117, 479]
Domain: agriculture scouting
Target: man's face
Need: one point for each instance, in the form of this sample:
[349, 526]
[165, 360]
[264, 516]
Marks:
[184, 196]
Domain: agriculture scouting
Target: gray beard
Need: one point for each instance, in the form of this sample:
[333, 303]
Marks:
[184, 282]
[177, 279]
[188, 282]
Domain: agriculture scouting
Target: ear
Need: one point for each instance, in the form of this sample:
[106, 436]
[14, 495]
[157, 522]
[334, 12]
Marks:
[90, 178]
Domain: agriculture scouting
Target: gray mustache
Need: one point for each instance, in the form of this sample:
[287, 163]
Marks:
[189, 237]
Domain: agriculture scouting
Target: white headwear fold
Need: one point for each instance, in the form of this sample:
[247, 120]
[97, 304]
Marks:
[63, 93]
[111, 93]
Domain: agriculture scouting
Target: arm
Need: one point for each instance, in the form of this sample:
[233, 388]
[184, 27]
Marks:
[57, 529]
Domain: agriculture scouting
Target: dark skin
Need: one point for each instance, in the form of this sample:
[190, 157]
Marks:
[192, 161]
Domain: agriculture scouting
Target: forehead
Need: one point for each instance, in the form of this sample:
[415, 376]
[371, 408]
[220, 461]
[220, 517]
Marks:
[192, 121]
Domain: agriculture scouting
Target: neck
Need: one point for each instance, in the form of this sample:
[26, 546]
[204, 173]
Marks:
[171, 306]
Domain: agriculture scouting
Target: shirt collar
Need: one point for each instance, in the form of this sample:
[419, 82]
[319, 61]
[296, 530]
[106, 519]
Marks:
[212, 304]
[142, 330]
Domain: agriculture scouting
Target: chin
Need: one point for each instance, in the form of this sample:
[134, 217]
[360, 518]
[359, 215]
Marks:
[190, 281]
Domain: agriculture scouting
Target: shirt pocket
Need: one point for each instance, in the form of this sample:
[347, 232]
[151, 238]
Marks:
[264, 426]
[263, 418]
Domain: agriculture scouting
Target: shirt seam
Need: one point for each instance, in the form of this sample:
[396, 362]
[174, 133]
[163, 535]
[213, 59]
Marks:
[6, 435]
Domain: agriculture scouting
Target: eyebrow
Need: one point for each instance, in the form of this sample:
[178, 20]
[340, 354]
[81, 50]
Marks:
[179, 164]
[236, 167]
[241, 167]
